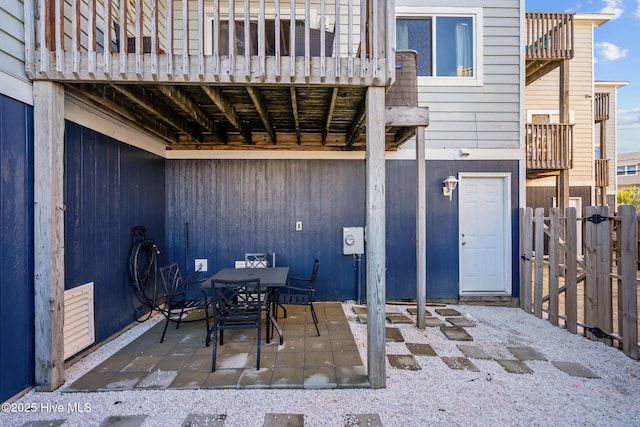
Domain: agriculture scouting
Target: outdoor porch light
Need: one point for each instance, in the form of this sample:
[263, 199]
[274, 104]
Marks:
[448, 185]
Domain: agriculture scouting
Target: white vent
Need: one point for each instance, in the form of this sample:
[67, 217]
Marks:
[79, 332]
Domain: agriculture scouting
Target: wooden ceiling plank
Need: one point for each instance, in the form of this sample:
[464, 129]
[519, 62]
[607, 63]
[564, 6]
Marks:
[357, 124]
[184, 102]
[226, 108]
[294, 110]
[258, 103]
[330, 110]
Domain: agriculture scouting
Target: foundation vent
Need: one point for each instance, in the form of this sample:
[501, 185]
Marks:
[79, 331]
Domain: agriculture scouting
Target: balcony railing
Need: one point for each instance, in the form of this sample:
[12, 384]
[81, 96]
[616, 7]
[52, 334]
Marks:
[602, 172]
[549, 39]
[324, 42]
[549, 146]
[601, 107]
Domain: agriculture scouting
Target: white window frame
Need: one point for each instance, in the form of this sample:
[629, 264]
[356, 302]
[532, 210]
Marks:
[476, 14]
[627, 171]
[551, 113]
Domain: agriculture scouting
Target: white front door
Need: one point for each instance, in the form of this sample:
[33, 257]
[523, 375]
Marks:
[485, 234]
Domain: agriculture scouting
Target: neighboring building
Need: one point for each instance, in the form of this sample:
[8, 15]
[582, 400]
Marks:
[581, 170]
[628, 170]
[217, 155]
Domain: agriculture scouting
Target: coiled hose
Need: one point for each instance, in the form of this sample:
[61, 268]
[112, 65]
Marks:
[143, 264]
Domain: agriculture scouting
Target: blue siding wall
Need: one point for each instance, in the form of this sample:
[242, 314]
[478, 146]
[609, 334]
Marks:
[16, 247]
[110, 188]
[442, 224]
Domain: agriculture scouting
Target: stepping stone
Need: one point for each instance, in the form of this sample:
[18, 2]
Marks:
[461, 321]
[393, 335]
[414, 311]
[460, 363]
[526, 353]
[392, 310]
[455, 333]
[421, 349]
[398, 318]
[283, 420]
[44, 423]
[433, 321]
[362, 318]
[362, 420]
[123, 421]
[359, 310]
[574, 369]
[194, 420]
[448, 312]
[404, 361]
[514, 366]
[473, 351]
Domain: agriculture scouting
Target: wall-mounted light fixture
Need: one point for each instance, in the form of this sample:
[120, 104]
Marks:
[448, 185]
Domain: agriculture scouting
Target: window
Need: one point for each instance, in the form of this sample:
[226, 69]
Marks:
[446, 42]
[627, 170]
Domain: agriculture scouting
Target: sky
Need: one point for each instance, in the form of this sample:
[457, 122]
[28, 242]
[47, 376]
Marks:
[617, 49]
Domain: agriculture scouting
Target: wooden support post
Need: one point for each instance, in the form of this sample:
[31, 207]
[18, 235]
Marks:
[590, 287]
[628, 247]
[48, 121]
[375, 237]
[539, 261]
[563, 109]
[554, 264]
[526, 243]
[421, 228]
[571, 273]
[603, 274]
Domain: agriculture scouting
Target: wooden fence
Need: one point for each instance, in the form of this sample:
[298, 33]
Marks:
[589, 288]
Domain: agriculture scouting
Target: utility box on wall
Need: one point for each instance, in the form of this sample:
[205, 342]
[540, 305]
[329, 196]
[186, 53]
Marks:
[353, 240]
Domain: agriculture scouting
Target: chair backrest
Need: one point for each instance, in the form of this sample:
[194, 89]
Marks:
[259, 259]
[237, 299]
[314, 273]
[171, 277]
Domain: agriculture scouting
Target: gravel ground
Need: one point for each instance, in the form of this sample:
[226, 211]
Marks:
[434, 395]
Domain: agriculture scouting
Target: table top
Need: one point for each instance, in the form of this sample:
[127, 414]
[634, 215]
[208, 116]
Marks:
[270, 276]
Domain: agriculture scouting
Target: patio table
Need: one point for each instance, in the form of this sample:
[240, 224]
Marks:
[271, 278]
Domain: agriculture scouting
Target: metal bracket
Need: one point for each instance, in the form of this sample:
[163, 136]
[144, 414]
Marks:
[597, 218]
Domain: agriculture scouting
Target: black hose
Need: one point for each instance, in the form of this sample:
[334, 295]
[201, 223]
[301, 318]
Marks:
[143, 270]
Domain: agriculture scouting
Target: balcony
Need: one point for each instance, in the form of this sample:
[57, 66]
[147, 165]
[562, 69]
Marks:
[602, 172]
[549, 148]
[283, 76]
[601, 107]
[549, 41]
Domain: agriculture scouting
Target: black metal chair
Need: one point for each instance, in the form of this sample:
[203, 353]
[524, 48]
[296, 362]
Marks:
[301, 294]
[181, 298]
[238, 304]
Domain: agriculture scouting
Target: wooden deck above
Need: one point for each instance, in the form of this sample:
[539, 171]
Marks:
[549, 148]
[549, 41]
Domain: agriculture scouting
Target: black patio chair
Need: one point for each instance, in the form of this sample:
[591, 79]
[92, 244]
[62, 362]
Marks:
[238, 305]
[301, 293]
[181, 298]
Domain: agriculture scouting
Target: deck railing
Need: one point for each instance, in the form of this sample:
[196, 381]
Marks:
[549, 35]
[601, 107]
[549, 146]
[601, 172]
[191, 40]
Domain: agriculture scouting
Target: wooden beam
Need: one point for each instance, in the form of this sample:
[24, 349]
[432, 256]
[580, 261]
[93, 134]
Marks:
[193, 110]
[159, 111]
[258, 103]
[421, 228]
[358, 124]
[48, 124]
[330, 110]
[229, 111]
[375, 250]
[294, 110]
[406, 116]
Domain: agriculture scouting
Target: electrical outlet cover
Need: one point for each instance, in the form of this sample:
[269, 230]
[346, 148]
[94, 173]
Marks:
[201, 265]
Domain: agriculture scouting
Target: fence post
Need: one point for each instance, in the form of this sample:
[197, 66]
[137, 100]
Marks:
[571, 273]
[628, 243]
[526, 257]
[590, 286]
[554, 264]
[539, 261]
[603, 274]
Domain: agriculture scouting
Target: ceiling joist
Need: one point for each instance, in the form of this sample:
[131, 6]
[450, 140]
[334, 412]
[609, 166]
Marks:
[223, 104]
[294, 110]
[261, 108]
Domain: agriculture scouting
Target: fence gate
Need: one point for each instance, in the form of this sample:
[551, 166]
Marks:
[595, 293]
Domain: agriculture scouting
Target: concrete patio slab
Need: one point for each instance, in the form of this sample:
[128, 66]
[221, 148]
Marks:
[575, 370]
[359, 310]
[473, 352]
[362, 318]
[462, 322]
[319, 378]
[404, 361]
[395, 318]
[414, 311]
[352, 377]
[194, 420]
[223, 379]
[433, 322]
[44, 423]
[448, 312]
[283, 420]
[393, 335]
[455, 333]
[157, 380]
[514, 366]
[460, 363]
[526, 353]
[362, 420]
[419, 349]
[123, 421]
[287, 378]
